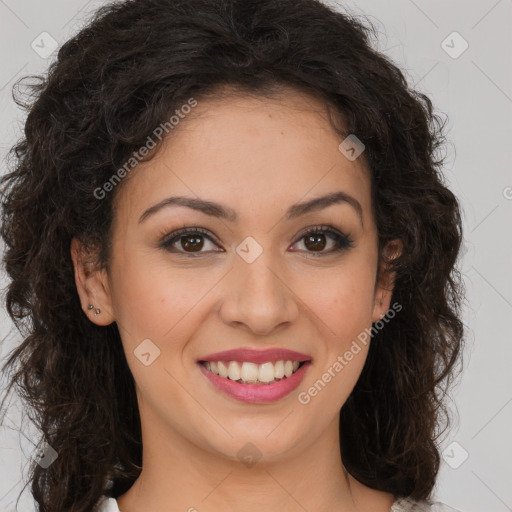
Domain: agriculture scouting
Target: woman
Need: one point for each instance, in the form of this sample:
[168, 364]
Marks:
[231, 246]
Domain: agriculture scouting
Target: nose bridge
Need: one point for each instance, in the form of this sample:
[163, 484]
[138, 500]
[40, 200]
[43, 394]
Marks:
[259, 298]
[260, 277]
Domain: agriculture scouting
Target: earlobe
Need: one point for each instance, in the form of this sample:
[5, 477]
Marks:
[97, 311]
[92, 285]
[382, 302]
[384, 287]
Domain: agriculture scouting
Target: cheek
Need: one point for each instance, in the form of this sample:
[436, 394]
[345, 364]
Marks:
[344, 317]
[153, 303]
[154, 300]
[342, 300]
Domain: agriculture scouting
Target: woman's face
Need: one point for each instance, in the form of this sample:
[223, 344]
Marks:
[250, 279]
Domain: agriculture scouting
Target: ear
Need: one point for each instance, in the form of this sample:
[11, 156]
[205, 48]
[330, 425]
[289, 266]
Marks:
[92, 285]
[385, 283]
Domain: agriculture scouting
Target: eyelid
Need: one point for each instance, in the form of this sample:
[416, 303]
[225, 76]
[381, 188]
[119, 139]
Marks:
[343, 240]
[169, 239]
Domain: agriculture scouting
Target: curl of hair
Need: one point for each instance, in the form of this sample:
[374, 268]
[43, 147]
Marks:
[111, 85]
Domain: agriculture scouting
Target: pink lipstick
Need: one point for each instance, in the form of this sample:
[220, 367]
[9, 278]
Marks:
[255, 376]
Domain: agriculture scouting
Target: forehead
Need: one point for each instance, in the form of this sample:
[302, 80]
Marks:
[251, 153]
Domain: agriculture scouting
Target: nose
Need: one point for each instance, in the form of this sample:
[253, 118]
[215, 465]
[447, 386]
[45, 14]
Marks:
[259, 297]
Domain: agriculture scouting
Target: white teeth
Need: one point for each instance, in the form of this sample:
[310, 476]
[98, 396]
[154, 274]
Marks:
[223, 370]
[249, 372]
[266, 372]
[279, 369]
[234, 370]
[288, 368]
[253, 373]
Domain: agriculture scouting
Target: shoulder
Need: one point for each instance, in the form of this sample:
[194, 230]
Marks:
[411, 505]
[106, 504]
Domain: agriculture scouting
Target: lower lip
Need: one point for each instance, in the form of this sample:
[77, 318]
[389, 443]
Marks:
[257, 393]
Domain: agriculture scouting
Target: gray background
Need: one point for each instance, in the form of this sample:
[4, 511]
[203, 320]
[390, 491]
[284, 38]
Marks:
[475, 90]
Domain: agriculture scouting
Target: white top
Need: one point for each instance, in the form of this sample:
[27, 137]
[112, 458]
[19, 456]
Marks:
[400, 505]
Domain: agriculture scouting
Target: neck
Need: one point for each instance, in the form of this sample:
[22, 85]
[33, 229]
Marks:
[178, 475]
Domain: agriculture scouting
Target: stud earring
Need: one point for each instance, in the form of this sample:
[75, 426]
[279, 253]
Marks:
[96, 311]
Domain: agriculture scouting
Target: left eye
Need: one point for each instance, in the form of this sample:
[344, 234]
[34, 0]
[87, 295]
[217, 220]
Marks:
[315, 240]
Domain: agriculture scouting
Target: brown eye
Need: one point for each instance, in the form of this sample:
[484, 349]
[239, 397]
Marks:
[188, 241]
[192, 242]
[316, 240]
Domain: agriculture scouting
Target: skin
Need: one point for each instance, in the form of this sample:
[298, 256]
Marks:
[258, 157]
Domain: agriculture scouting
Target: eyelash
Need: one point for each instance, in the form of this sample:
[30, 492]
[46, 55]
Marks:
[343, 241]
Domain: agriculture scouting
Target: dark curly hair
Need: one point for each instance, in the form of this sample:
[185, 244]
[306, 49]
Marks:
[110, 86]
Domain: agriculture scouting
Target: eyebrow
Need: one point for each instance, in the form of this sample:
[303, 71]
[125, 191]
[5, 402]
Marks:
[223, 212]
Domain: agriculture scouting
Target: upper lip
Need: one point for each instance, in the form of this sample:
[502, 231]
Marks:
[257, 356]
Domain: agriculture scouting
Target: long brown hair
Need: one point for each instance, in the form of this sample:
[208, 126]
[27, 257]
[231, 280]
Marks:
[112, 84]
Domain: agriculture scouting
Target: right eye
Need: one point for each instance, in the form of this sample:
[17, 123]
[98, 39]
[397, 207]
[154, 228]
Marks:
[191, 241]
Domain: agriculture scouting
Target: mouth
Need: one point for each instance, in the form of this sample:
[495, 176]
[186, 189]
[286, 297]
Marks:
[247, 372]
[255, 376]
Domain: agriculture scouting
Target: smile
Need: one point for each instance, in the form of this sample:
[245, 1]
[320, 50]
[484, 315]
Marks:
[252, 373]
[255, 376]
